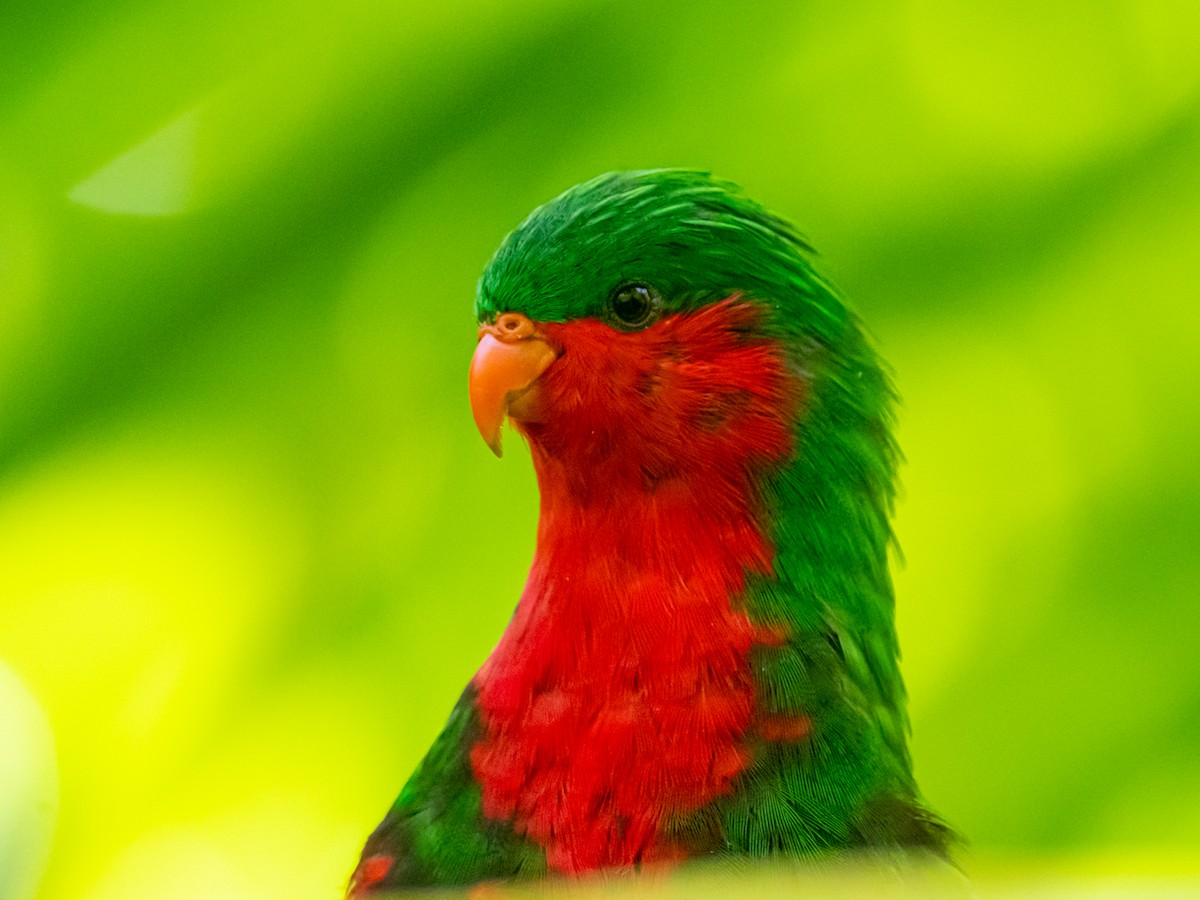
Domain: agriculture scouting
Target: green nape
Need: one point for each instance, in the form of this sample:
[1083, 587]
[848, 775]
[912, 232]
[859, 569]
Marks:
[851, 783]
[436, 831]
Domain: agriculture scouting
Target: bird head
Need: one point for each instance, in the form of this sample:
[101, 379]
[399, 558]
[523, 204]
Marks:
[646, 323]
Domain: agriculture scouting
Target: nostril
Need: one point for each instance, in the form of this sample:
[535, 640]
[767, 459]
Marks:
[512, 326]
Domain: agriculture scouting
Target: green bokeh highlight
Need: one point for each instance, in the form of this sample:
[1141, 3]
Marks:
[251, 547]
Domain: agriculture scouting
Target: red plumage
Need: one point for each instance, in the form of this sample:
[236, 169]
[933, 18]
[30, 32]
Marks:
[620, 695]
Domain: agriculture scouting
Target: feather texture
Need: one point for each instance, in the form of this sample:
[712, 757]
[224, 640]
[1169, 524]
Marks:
[703, 660]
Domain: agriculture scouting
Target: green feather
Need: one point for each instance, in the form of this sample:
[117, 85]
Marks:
[436, 830]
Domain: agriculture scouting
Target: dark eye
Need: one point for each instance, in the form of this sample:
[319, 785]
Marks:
[634, 306]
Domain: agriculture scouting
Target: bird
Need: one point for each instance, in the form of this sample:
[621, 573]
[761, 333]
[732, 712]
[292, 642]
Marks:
[703, 662]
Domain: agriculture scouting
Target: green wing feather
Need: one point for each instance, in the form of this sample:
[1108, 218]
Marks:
[436, 832]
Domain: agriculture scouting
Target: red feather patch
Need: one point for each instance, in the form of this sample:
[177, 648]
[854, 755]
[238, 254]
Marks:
[620, 696]
[371, 871]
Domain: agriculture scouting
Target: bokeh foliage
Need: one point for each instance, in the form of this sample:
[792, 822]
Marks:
[251, 547]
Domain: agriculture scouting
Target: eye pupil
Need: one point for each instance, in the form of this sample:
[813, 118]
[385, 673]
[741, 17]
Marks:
[632, 303]
[635, 305]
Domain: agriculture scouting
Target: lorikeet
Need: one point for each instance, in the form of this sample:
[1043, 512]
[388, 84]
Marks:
[703, 660]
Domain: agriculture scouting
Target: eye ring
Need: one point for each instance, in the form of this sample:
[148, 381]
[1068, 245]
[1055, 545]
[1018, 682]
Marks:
[633, 306]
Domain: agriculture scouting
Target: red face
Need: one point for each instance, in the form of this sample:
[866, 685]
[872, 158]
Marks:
[697, 391]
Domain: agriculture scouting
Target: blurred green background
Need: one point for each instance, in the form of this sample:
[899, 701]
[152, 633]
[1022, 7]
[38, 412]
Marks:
[251, 546]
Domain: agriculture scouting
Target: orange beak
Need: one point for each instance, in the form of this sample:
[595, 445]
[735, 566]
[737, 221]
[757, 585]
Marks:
[509, 358]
